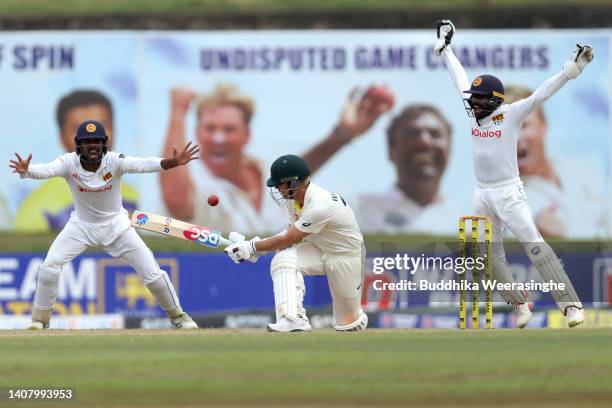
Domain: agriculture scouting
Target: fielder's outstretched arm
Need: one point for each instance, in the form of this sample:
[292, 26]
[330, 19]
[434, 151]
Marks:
[548, 88]
[56, 168]
[583, 55]
[456, 71]
[445, 32]
[155, 164]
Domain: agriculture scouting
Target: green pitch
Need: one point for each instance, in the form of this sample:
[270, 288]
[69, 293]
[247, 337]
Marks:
[377, 367]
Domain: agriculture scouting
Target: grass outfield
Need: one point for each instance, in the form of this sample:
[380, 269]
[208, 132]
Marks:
[557, 368]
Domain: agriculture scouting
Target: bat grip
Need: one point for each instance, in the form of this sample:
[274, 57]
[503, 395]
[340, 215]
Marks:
[224, 241]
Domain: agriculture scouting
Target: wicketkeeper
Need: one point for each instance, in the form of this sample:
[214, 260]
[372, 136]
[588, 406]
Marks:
[499, 193]
[323, 238]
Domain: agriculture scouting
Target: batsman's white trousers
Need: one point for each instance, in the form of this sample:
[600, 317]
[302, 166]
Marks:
[117, 238]
[344, 276]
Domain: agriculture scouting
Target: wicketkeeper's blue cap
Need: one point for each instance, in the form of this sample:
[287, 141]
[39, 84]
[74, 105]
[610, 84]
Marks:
[487, 85]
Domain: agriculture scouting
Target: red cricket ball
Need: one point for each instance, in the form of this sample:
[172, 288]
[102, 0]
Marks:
[213, 200]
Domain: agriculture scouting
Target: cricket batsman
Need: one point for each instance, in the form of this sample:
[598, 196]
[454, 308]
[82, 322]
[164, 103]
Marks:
[499, 193]
[99, 220]
[323, 238]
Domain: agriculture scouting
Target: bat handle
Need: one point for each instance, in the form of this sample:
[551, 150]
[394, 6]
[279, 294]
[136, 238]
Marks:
[224, 241]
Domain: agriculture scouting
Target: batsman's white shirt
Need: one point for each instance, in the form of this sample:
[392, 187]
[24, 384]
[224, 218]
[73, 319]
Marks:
[333, 248]
[329, 220]
[495, 138]
[96, 195]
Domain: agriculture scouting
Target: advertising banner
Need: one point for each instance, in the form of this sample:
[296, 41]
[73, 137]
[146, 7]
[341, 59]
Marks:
[407, 170]
[210, 283]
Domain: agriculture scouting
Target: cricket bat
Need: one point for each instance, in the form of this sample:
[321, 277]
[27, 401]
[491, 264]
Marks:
[178, 229]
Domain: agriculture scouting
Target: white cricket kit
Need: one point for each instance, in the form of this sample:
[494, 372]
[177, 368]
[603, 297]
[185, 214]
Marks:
[499, 193]
[333, 248]
[98, 220]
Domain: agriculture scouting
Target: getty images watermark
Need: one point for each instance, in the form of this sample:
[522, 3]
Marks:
[460, 265]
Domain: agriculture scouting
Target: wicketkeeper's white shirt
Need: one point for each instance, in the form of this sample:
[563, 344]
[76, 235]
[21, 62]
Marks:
[329, 220]
[495, 139]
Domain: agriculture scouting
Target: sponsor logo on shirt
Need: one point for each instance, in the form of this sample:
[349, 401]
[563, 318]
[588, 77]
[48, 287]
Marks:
[77, 177]
[108, 176]
[486, 133]
[306, 224]
[95, 190]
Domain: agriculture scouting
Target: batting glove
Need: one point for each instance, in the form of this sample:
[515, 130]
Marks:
[445, 29]
[581, 57]
[236, 237]
[243, 251]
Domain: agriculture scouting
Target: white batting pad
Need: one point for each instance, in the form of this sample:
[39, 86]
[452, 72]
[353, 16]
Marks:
[288, 287]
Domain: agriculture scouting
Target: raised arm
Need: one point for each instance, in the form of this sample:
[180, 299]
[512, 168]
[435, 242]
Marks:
[56, 168]
[548, 88]
[176, 186]
[583, 54]
[446, 30]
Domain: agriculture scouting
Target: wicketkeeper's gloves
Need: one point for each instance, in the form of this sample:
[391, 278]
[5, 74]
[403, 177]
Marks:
[445, 29]
[580, 58]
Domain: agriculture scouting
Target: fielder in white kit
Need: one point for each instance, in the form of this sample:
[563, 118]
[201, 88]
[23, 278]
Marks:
[99, 219]
[499, 193]
[323, 238]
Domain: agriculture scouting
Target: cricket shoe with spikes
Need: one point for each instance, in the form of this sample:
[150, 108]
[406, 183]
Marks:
[523, 314]
[37, 326]
[286, 325]
[575, 316]
[184, 321]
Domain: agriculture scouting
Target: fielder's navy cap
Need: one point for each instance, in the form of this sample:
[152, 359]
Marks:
[91, 129]
[487, 85]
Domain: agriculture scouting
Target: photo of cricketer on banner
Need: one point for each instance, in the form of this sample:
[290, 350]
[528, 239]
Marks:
[300, 80]
[408, 170]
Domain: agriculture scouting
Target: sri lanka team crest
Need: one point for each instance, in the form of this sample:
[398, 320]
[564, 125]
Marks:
[90, 127]
[141, 219]
[498, 119]
[108, 176]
